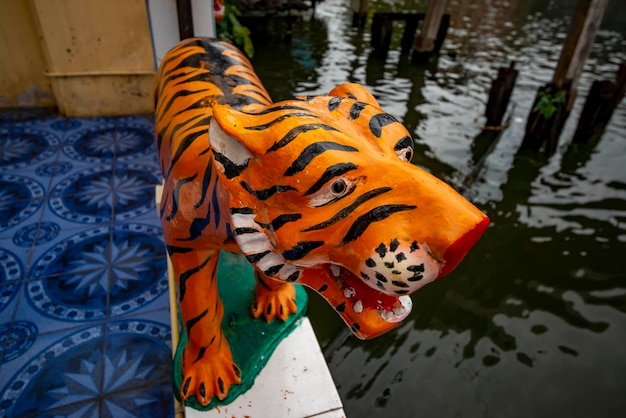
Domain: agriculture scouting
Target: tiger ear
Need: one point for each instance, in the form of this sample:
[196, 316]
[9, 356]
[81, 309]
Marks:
[232, 145]
[231, 155]
[354, 91]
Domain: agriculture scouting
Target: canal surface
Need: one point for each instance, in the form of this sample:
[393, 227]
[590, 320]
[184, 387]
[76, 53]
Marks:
[533, 322]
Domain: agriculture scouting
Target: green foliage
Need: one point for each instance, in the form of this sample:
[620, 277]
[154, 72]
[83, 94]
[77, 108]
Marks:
[231, 30]
[547, 102]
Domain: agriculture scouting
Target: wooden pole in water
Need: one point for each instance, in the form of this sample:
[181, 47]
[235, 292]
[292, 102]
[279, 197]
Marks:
[499, 96]
[424, 43]
[554, 100]
[359, 12]
[575, 51]
[602, 100]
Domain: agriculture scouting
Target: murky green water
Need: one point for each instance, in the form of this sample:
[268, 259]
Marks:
[533, 322]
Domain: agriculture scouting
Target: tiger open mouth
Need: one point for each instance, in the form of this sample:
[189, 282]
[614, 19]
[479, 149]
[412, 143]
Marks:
[366, 311]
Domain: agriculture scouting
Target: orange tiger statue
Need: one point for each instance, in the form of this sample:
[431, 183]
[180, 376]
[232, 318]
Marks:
[317, 191]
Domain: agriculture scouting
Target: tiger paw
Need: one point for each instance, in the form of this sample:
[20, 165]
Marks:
[208, 373]
[274, 303]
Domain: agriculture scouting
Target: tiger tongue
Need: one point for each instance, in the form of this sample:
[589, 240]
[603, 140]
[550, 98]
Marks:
[367, 313]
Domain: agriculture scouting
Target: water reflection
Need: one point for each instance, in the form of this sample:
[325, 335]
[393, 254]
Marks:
[533, 322]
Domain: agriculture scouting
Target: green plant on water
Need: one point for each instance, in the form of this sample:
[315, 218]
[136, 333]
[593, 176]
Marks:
[231, 30]
[547, 102]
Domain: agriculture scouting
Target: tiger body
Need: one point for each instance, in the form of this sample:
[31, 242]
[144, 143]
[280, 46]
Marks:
[316, 191]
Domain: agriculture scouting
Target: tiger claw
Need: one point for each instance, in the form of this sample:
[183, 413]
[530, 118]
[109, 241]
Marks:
[205, 379]
[271, 304]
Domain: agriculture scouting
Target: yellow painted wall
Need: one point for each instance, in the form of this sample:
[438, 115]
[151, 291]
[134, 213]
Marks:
[22, 65]
[97, 55]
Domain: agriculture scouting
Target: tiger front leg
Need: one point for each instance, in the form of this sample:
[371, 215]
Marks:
[208, 368]
[273, 298]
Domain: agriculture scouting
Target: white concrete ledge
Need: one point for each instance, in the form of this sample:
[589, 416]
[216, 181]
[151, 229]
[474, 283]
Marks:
[295, 383]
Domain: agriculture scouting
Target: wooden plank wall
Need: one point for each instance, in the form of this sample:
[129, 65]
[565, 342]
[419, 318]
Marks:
[98, 54]
[22, 64]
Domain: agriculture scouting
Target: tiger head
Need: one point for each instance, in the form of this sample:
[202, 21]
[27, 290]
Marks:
[322, 193]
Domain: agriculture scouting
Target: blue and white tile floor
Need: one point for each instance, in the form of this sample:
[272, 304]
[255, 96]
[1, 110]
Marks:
[84, 312]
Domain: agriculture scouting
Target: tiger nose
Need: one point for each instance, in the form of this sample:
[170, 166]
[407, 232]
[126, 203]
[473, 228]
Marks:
[461, 246]
[400, 267]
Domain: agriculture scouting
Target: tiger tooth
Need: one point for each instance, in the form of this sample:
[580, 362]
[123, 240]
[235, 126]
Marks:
[403, 311]
[335, 270]
[358, 306]
[406, 301]
[348, 292]
[386, 315]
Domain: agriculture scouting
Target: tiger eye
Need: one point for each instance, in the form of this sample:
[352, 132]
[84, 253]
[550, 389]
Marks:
[338, 187]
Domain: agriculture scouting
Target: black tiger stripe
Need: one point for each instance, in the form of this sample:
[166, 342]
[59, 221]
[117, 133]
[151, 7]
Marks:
[176, 195]
[293, 134]
[187, 124]
[197, 227]
[331, 172]
[265, 193]
[244, 231]
[182, 280]
[183, 146]
[254, 258]
[216, 207]
[375, 215]
[206, 182]
[206, 101]
[293, 276]
[231, 170]
[349, 209]
[334, 103]
[279, 119]
[193, 321]
[378, 122]
[173, 56]
[279, 108]
[273, 270]
[166, 82]
[281, 220]
[405, 142]
[242, 211]
[204, 76]
[355, 110]
[301, 249]
[312, 151]
[178, 250]
[175, 96]
[259, 88]
[200, 354]
[163, 206]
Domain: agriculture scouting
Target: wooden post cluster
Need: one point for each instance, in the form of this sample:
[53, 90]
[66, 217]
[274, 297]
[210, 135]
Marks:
[500, 94]
[602, 100]
[555, 99]
[359, 13]
[547, 118]
[382, 29]
[427, 42]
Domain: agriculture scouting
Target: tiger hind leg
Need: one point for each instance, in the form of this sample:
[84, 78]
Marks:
[207, 363]
[273, 299]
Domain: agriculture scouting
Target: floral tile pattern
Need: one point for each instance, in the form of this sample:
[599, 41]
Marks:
[84, 311]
